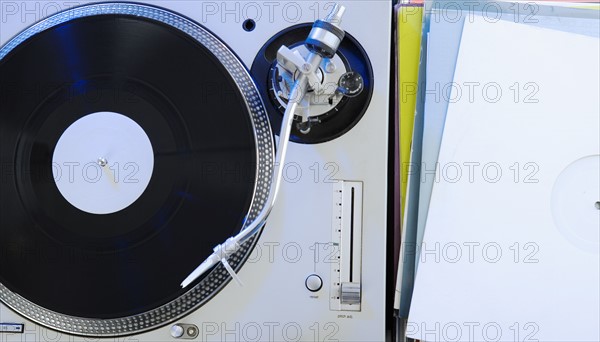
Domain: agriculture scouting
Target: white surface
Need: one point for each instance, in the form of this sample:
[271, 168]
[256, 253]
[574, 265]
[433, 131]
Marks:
[495, 266]
[125, 148]
[274, 300]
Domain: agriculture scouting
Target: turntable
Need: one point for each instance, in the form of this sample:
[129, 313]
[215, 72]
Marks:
[153, 152]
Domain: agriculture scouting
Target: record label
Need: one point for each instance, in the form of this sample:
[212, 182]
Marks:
[575, 203]
[103, 163]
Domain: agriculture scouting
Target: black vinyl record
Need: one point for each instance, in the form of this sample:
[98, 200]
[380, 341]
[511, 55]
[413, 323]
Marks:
[131, 261]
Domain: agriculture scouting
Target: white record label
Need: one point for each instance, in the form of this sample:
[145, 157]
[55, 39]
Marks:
[103, 163]
[576, 203]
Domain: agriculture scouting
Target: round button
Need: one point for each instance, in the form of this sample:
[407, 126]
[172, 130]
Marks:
[313, 283]
[177, 331]
[192, 331]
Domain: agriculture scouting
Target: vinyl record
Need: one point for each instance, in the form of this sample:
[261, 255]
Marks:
[128, 151]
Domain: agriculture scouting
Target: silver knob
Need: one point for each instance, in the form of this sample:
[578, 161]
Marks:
[177, 331]
[350, 293]
[102, 161]
[326, 35]
[313, 283]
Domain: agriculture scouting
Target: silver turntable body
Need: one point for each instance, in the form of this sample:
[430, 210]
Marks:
[318, 269]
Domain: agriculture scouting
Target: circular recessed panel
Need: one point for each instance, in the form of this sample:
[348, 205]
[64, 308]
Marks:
[103, 163]
[117, 177]
[328, 120]
[575, 198]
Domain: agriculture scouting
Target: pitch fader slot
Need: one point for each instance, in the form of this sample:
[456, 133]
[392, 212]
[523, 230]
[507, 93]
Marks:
[347, 237]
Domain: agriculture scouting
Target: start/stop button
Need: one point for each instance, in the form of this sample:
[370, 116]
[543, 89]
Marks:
[313, 283]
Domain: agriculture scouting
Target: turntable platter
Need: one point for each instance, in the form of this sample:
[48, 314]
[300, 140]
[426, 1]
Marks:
[116, 268]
